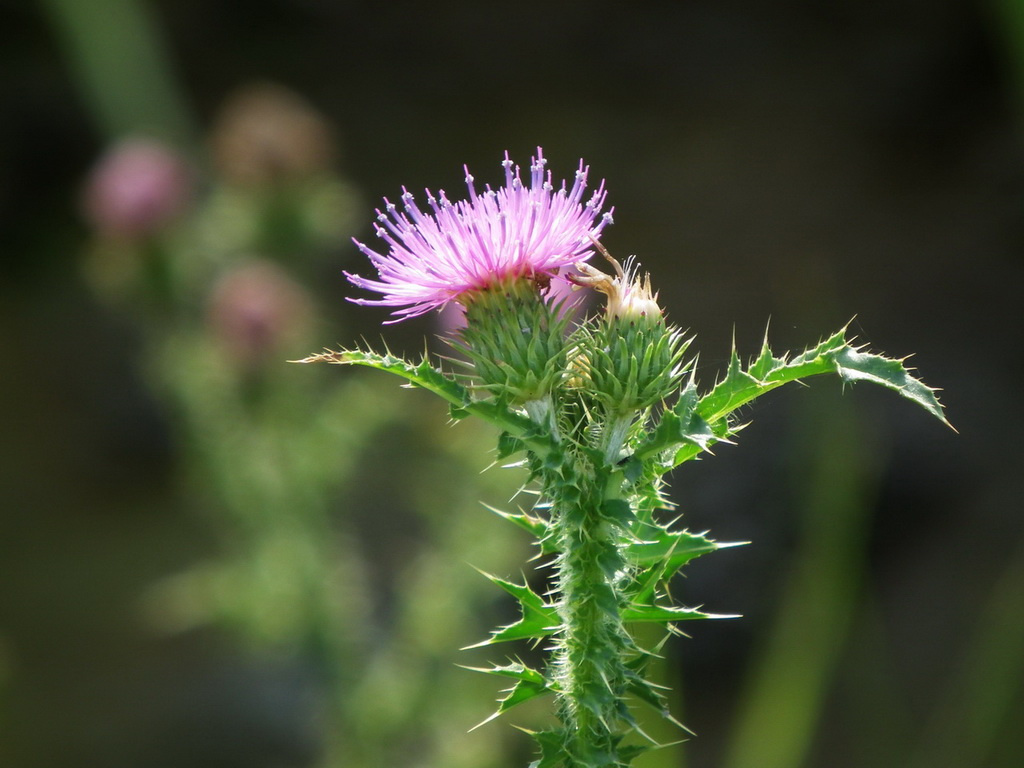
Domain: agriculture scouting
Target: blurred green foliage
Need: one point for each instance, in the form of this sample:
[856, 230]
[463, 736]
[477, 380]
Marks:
[287, 465]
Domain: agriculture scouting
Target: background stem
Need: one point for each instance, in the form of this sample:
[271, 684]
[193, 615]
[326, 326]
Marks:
[124, 74]
[778, 717]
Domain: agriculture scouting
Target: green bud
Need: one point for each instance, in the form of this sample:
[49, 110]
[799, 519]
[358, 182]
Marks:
[515, 339]
[634, 358]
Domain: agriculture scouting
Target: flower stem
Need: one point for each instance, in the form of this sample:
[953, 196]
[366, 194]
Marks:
[541, 412]
[615, 435]
[589, 661]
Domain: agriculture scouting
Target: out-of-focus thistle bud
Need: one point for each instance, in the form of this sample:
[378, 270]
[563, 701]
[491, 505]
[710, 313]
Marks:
[266, 134]
[136, 189]
[515, 337]
[634, 358]
[255, 310]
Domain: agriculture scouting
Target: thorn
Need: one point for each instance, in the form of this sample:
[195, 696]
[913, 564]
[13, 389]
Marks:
[484, 722]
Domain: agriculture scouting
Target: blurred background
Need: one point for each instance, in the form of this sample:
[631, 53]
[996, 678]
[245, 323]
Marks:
[211, 558]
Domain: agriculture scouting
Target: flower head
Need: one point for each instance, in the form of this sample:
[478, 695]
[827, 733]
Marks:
[439, 255]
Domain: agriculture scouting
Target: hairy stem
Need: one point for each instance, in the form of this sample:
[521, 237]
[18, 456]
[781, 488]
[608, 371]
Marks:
[541, 411]
[614, 436]
[589, 662]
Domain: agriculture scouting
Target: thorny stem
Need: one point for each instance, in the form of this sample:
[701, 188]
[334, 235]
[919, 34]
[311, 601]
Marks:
[589, 663]
[614, 436]
[542, 412]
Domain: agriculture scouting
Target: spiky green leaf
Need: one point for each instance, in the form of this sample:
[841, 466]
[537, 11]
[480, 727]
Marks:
[516, 670]
[538, 527]
[508, 445]
[854, 365]
[673, 549]
[619, 512]
[682, 424]
[529, 685]
[833, 355]
[539, 619]
[630, 752]
[651, 694]
[426, 376]
[553, 752]
[659, 553]
[666, 613]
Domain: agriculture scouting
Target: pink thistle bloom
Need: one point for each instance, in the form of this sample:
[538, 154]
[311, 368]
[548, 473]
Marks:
[516, 231]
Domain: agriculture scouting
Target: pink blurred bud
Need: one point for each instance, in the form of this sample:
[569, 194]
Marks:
[255, 308]
[266, 134]
[135, 189]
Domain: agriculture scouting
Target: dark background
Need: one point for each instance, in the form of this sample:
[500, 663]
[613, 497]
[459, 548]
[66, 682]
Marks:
[799, 162]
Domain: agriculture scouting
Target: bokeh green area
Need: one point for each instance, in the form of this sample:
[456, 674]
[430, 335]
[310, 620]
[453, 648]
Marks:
[211, 558]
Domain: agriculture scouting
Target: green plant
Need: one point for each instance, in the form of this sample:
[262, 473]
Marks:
[599, 413]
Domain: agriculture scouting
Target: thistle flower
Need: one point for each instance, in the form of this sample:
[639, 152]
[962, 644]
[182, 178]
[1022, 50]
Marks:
[440, 255]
